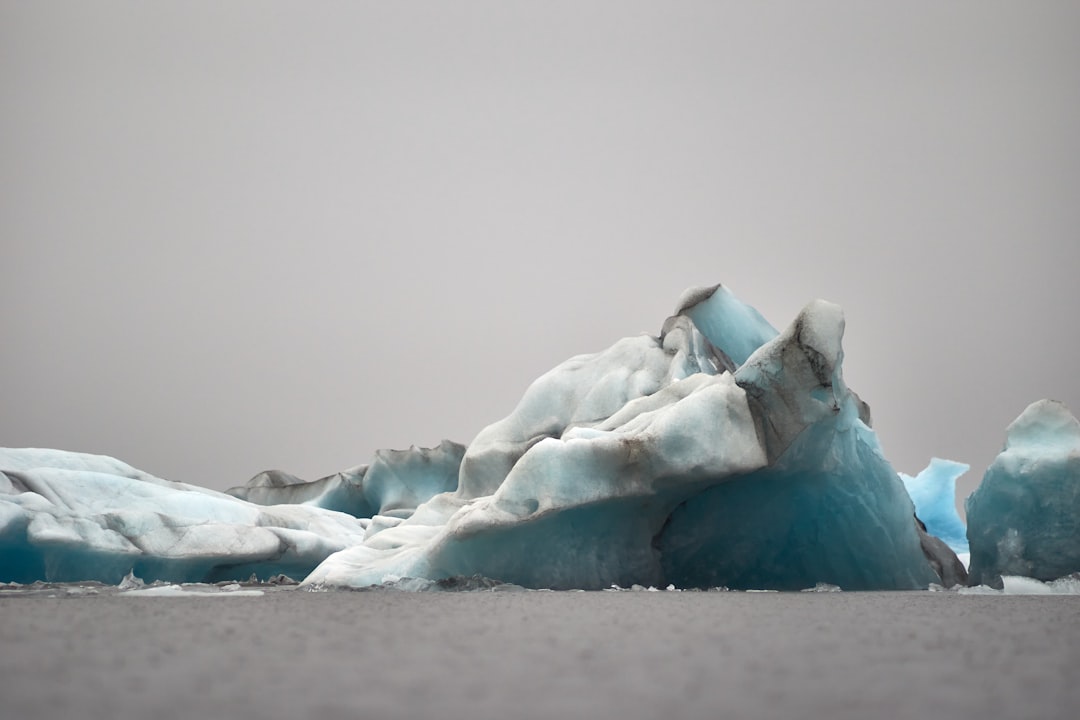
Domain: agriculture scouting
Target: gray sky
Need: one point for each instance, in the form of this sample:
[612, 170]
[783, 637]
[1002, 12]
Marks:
[239, 235]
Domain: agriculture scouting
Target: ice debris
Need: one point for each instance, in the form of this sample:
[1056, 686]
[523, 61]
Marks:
[130, 582]
[179, 591]
[827, 588]
[1019, 585]
[1024, 518]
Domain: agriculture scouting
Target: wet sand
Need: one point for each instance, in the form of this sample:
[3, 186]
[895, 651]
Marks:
[541, 655]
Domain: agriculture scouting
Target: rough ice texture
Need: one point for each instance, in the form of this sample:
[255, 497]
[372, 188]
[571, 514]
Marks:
[393, 485]
[934, 493]
[719, 452]
[70, 516]
[1024, 518]
[1019, 585]
[824, 508]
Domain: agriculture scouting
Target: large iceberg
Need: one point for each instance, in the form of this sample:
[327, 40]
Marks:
[719, 452]
[1024, 518]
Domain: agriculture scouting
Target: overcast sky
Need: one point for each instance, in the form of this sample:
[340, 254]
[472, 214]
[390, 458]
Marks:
[237, 236]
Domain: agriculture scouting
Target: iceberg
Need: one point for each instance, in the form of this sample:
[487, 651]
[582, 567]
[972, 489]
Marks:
[934, 493]
[1024, 518]
[67, 517]
[941, 531]
[720, 452]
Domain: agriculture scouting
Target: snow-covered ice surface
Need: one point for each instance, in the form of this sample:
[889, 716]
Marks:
[487, 655]
[175, 591]
[1024, 518]
[1018, 585]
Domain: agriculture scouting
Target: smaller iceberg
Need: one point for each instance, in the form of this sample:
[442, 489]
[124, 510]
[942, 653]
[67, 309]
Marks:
[934, 493]
[69, 517]
[1024, 518]
[719, 452]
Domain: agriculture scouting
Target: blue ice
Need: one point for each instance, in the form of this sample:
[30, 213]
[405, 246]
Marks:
[71, 516]
[934, 493]
[649, 463]
[1024, 518]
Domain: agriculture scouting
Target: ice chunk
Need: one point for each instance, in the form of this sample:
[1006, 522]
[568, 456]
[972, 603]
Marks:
[1024, 518]
[1019, 585]
[934, 493]
[72, 517]
[130, 582]
[823, 588]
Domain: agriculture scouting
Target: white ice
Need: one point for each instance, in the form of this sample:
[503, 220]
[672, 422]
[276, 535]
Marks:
[71, 516]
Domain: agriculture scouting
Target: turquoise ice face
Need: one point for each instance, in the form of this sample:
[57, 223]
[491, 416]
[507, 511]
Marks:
[934, 493]
[1024, 518]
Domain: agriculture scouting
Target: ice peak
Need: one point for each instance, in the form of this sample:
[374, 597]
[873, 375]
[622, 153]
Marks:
[1044, 423]
[730, 324]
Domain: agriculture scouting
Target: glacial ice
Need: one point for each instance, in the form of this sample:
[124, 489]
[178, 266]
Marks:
[825, 508]
[392, 486]
[1024, 518]
[718, 453]
[934, 493]
[727, 322]
[68, 516]
[616, 469]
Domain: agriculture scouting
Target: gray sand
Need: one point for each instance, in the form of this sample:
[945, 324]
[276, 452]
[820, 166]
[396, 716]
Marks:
[541, 655]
